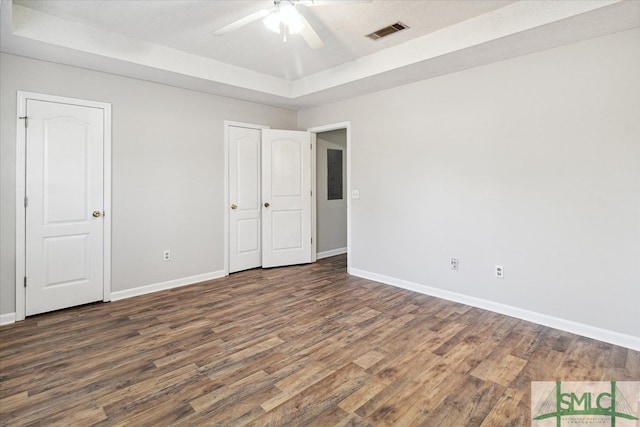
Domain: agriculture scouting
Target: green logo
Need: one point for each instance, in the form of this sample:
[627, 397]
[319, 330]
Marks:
[584, 403]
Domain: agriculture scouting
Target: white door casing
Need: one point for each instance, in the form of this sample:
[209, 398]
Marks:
[245, 233]
[286, 197]
[64, 157]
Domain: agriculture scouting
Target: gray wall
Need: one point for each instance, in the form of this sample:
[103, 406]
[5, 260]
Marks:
[532, 163]
[168, 169]
[331, 218]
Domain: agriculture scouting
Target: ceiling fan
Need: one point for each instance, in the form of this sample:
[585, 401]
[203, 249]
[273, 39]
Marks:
[284, 19]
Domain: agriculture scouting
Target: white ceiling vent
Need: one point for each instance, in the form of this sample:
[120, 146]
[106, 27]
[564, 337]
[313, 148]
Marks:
[387, 31]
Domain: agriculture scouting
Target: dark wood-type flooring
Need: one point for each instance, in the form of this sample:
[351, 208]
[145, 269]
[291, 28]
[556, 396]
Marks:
[303, 345]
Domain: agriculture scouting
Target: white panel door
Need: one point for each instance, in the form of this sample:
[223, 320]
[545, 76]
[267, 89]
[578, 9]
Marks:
[64, 216]
[286, 197]
[244, 196]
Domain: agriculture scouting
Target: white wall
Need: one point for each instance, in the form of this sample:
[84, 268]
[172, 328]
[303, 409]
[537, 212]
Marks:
[331, 218]
[168, 170]
[533, 163]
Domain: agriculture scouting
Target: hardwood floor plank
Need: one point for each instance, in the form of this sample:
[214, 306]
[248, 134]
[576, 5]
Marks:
[301, 345]
[257, 380]
[87, 416]
[352, 420]
[468, 405]
[398, 374]
[505, 411]
[501, 371]
[435, 392]
[402, 400]
[370, 358]
[309, 404]
[363, 394]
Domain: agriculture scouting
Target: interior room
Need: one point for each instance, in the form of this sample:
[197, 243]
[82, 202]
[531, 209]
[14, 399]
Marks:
[310, 212]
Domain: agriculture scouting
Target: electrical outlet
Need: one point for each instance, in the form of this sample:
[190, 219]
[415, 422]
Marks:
[455, 264]
[355, 194]
[499, 271]
[167, 255]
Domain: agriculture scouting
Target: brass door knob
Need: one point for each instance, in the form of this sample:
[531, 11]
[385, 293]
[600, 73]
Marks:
[96, 214]
[233, 206]
[266, 204]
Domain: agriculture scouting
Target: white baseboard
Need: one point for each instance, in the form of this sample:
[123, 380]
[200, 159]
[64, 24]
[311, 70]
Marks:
[605, 335]
[7, 318]
[331, 252]
[162, 286]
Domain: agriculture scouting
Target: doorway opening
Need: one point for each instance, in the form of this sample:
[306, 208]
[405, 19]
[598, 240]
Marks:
[331, 193]
[332, 187]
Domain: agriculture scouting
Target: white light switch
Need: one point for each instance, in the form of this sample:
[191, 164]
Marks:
[355, 194]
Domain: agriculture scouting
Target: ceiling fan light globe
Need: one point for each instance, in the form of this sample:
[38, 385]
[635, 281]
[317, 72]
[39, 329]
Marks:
[272, 22]
[290, 17]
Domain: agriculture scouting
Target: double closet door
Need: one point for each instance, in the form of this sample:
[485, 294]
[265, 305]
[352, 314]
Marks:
[269, 198]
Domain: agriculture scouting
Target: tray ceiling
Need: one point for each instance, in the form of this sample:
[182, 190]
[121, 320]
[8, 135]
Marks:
[171, 41]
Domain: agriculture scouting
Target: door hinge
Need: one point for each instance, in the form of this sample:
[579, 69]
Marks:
[26, 201]
[26, 120]
[25, 281]
[311, 242]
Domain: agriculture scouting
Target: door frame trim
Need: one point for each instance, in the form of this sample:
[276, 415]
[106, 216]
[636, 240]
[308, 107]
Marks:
[315, 130]
[227, 217]
[20, 247]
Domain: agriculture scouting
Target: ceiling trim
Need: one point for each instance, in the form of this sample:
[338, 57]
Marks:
[34, 25]
[30, 33]
[506, 21]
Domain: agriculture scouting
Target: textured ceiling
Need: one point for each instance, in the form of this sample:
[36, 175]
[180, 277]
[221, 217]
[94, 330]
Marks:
[171, 41]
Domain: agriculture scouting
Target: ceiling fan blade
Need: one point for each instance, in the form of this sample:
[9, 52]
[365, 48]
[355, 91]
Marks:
[309, 35]
[241, 22]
